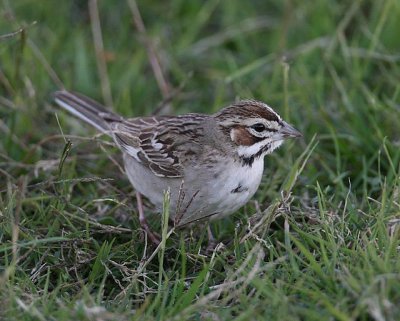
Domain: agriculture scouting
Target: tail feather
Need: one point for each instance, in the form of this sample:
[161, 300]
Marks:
[86, 109]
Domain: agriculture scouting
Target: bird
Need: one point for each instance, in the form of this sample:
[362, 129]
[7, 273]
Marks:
[211, 164]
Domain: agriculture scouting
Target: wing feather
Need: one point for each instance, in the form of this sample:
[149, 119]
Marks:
[157, 142]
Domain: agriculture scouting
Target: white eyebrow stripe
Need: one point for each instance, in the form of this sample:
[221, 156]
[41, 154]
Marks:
[269, 124]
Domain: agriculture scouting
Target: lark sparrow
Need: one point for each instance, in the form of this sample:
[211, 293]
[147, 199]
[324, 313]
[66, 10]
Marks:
[212, 164]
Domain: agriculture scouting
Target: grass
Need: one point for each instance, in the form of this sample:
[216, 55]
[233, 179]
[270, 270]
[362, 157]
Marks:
[320, 241]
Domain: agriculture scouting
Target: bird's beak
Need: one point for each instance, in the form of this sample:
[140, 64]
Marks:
[289, 131]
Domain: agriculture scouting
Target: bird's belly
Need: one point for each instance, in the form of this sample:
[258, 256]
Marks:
[235, 187]
[203, 193]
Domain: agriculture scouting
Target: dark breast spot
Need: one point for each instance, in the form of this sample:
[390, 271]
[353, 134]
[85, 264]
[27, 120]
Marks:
[247, 161]
[239, 189]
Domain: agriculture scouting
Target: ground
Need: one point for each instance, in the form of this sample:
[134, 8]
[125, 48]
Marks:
[319, 241]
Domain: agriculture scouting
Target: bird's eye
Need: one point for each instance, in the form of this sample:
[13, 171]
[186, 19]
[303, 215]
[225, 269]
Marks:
[258, 127]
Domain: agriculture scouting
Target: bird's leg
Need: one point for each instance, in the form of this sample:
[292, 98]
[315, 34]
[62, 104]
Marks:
[154, 238]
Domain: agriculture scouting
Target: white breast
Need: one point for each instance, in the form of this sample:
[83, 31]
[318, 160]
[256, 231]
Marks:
[207, 193]
[235, 186]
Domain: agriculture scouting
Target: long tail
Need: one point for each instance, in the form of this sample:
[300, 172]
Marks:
[86, 109]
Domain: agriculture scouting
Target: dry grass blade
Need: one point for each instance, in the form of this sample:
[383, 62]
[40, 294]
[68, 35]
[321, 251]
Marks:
[154, 60]
[42, 59]
[99, 49]
[16, 33]
[92, 222]
[238, 29]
